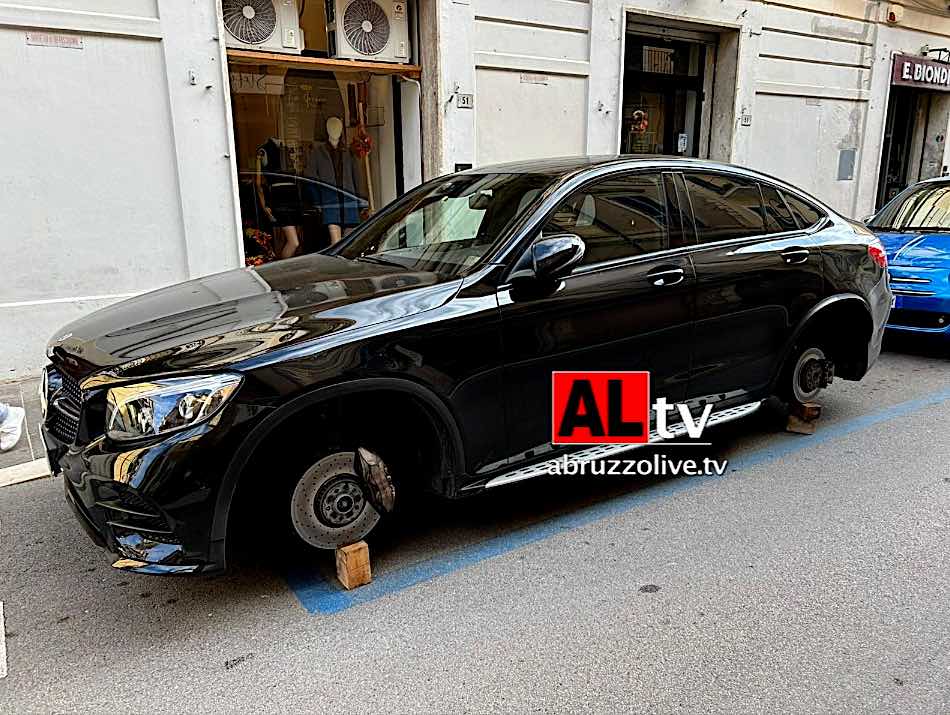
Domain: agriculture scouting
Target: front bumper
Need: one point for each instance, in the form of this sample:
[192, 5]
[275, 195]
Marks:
[924, 315]
[922, 301]
[150, 507]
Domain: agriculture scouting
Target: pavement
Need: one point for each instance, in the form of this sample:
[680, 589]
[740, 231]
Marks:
[26, 460]
[814, 576]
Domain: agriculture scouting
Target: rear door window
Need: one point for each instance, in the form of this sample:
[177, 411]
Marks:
[806, 214]
[778, 216]
[725, 207]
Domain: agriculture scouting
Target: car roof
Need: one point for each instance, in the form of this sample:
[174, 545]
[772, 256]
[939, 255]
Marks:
[565, 165]
[562, 168]
[934, 180]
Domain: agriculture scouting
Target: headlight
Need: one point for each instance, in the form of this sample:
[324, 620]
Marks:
[150, 408]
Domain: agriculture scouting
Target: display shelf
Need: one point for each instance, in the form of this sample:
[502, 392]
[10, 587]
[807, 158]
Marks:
[253, 57]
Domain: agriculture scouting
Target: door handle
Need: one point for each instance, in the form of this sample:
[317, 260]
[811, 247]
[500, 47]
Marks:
[795, 255]
[665, 277]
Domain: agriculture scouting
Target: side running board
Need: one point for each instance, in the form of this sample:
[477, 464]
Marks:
[603, 451]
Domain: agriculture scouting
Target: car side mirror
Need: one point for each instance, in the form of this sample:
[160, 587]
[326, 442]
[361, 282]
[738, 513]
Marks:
[550, 258]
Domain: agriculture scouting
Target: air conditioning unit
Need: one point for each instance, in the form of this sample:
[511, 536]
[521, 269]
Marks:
[268, 25]
[375, 30]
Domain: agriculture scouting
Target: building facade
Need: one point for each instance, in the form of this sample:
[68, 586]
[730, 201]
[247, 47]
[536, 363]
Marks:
[143, 147]
[802, 89]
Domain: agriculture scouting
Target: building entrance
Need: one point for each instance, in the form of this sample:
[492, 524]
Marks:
[667, 78]
[915, 131]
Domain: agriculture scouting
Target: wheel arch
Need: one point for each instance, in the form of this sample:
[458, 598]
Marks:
[443, 421]
[858, 323]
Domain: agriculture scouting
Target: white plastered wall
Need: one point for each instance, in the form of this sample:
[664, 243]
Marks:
[811, 77]
[117, 177]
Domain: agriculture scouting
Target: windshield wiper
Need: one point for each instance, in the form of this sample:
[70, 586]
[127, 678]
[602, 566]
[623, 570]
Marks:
[380, 261]
[927, 229]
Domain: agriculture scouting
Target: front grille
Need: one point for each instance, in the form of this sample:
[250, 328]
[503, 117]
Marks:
[919, 319]
[64, 427]
[65, 408]
[71, 389]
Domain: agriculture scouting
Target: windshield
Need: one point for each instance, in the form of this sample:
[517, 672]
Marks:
[924, 208]
[446, 225]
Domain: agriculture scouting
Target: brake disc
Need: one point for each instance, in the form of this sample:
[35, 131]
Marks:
[329, 506]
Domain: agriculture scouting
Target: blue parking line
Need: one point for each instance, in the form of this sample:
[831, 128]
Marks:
[321, 593]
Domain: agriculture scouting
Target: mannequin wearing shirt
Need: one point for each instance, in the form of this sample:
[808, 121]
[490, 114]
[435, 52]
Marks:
[332, 163]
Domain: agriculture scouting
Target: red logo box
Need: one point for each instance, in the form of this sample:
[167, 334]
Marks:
[600, 407]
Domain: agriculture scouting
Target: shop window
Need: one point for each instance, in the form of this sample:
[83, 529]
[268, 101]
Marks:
[616, 218]
[315, 156]
[725, 207]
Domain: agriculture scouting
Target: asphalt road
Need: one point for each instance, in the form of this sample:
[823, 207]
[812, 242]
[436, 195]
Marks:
[813, 577]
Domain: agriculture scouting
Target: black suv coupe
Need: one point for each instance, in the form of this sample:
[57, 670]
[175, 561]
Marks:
[418, 352]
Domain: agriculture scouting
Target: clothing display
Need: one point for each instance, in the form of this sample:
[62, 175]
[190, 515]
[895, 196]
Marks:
[335, 194]
[281, 192]
[306, 155]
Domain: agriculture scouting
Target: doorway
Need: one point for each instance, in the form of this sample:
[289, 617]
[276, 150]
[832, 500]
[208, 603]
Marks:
[914, 140]
[898, 133]
[667, 80]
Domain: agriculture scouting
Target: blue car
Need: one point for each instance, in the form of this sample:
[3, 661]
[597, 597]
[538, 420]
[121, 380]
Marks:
[915, 230]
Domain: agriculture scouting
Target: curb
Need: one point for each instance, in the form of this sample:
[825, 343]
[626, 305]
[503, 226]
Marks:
[27, 472]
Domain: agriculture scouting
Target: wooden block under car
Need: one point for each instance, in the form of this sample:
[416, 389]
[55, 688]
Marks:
[352, 565]
[803, 418]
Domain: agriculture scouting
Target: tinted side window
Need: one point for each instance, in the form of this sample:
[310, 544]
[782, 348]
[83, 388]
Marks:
[725, 207]
[617, 218]
[806, 214]
[778, 217]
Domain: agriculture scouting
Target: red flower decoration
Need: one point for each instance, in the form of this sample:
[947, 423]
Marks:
[362, 144]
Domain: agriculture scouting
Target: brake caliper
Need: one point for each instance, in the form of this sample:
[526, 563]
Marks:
[380, 490]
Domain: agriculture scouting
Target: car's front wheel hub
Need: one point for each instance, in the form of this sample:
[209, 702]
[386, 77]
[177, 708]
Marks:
[339, 502]
[328, 507]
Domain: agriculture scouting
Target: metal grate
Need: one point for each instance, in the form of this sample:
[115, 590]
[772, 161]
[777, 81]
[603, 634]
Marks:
[658, 60]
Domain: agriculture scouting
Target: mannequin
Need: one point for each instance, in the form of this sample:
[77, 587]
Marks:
[332, 163]
[334, 134]
[269, 157]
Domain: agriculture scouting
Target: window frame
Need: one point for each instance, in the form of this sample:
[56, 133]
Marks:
[822, 214]
[814, 228]
[659, 174]
[525, 231]
[781, 195]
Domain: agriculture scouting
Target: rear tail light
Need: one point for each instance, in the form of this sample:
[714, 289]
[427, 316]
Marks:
[878, 254]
